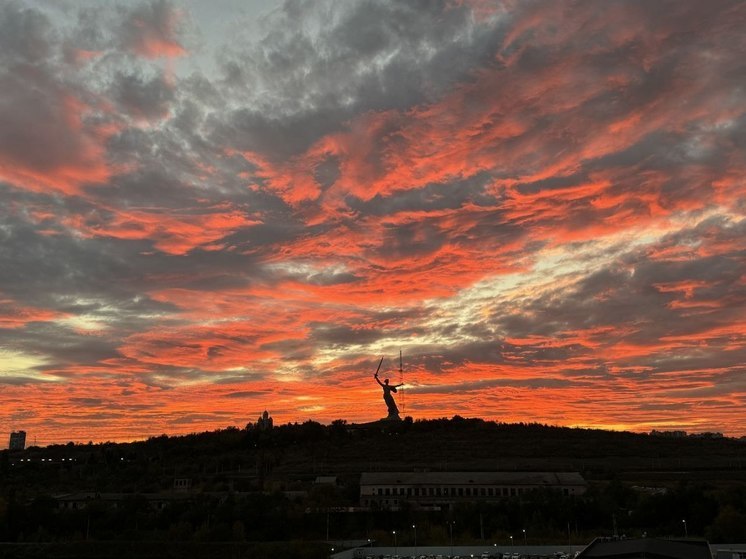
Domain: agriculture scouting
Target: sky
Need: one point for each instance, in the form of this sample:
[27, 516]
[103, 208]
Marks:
[212, 209]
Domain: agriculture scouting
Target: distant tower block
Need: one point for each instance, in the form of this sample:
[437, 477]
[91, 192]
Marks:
[264, 423]
[17, 440]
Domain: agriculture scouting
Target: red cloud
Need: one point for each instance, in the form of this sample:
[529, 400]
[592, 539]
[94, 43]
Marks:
[555, 136]
[171, 232]
[14, 316]
[67, 153]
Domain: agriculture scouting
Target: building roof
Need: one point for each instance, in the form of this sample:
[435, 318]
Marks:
[326, 480]
[648, 548]
[548, 479]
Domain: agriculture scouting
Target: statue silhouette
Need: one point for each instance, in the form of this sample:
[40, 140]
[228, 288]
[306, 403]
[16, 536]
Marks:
[388, 398]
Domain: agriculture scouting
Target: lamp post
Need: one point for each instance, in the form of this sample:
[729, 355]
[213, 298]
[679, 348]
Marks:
[395, 546]
[450, 526]
[511, 542]
[414, 527]
[524, 537]
[686, 531]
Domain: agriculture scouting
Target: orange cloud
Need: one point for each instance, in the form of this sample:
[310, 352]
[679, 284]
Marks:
[13, 315]
[171, 232]
[76, 156]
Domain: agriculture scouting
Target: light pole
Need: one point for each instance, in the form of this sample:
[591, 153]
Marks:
[450, 526]
[524, 537]
[414, 527]
[395, 546]
[511, 542]
[686, 532]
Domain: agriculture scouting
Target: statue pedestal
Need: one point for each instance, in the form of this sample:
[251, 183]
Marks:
[392, 417]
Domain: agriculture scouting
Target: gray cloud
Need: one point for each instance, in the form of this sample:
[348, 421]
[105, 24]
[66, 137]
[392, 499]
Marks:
[319, 64]
[23, 34]
[150, 29]
[127, 200]
[143, 97]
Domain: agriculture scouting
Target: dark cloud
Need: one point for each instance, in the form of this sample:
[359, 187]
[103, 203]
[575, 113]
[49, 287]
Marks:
[24, 34]
[360, 57]
[142, 97]
[528, 200]
[244, 394]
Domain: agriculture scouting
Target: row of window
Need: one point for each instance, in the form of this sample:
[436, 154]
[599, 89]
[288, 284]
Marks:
[450, 491]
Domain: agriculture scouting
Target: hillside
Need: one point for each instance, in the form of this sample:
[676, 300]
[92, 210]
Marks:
[257, 485]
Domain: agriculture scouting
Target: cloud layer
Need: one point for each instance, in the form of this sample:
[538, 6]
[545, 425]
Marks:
[541, 204]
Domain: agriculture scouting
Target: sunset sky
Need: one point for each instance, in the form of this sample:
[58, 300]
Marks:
[209, 209]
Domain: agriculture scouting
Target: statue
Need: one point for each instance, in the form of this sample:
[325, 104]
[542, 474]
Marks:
[387, 397]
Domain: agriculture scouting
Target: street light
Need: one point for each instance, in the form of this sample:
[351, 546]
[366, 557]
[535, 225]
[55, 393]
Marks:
[686, 532]
[524, 537]
[414, 527]
[511, 541]
[450, 526]
[395, 546]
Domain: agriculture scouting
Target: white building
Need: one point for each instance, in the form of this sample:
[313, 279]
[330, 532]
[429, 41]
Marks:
[389, 490]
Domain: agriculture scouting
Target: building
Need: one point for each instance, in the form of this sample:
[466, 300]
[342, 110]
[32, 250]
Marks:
[646, 548]
[264, 423]
[670, 434]
[731, 553]
[183, 484]
[389, 490]
[17, 440]
[84, 499]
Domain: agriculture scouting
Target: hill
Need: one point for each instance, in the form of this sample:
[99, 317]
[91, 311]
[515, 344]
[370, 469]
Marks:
[258, 484]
